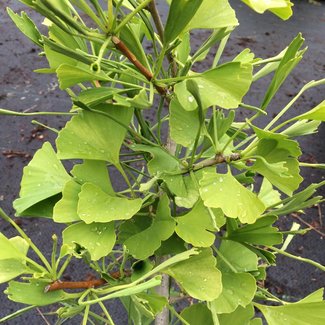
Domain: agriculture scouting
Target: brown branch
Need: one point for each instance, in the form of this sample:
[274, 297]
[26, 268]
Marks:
[93, 283]
[218, 159]
[120, 45]
[156, 19]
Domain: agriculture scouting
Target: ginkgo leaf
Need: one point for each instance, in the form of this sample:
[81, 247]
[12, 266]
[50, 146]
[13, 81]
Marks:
[298, 313]
[70, 75]
[197, 314]
[144, 243]
[222, 190]
[95, 172]
[238, 256]
[317, 113]
[198, 276]
[239, 317]
[259, 233]
[196, 226]
[34, 293]
[97, 206]
[97, 238]
[238, 289]
[276, 159]
[184, 125]
[216, 85]
[213, 14]
[91, 135]
[43, 177]
[267, 194]
[281, 8]
[65, 210]
[166, 167]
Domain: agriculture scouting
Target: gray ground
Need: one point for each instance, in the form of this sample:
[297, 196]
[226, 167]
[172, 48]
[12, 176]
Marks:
[21, 89]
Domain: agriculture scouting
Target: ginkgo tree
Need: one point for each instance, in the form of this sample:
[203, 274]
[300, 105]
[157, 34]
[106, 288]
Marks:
[191, 222]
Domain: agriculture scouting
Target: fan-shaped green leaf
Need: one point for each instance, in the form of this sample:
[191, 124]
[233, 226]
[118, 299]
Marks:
[197, 226]
[238, 289]
[26, 26]
[299, 313]
[69, 75]
[259, 233]
[197, 314]
[34, 293]
[184, 124]
[281, 8]
[43, 177]
[241, 316]
[238, 256]
[213, 14]
[317, 113]
[97, 206]
[222, 190]
[143, 244]
[93, 136]
[97, 238]
[216, 86]
[198, 276]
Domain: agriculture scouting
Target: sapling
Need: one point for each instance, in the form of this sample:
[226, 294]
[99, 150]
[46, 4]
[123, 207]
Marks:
[191, 222]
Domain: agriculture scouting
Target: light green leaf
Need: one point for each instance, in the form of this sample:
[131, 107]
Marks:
[315, 296]
[241, 316]
[198, 276]
[26, 26]
[65, 210]
[11, 268]
[165, 167]
[299, 313]
[143, 244]
[288, 62]
[43, 177]
[93, 136]
[184, 97]
[184, 125]
[55, 59]
[302, 127]
[259, 233]
[97, 238]
[95, 172]
[245, 56]
[238, 289]
[267, 194]
[151, 302]
[281, 8]
[69, 75]
[33, 293]
[278, 153]
[317, 113]
[213, 14]
[216, 86]
[196, 226]
[299, 201]
[197, 314]
[97, 206]
[222, 190]
[181, 12]
[238, 256]
[12, 257]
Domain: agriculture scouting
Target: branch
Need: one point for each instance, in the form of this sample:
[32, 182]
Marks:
[120, 45]
[218, 159]
[59, 285]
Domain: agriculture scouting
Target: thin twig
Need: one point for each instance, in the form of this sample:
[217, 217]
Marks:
[41, 314]
[120, 45]
[295, 215]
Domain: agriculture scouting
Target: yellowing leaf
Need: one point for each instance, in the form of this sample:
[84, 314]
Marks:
[225, 192]
[281, 8]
